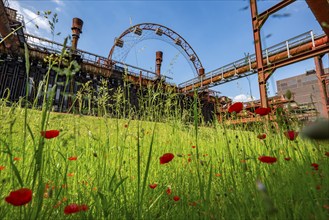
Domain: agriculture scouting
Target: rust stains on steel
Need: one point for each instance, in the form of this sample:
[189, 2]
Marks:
[76, 31]
[158, 61]
[320, 9]
[298, 53]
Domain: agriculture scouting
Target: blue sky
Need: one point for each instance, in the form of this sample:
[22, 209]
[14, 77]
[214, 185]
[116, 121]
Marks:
[220, 32]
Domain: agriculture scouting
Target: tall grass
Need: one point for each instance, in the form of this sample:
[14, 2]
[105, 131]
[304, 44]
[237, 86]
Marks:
[118, 157]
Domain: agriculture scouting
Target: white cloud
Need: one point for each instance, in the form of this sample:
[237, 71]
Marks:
[58, 2]
[31, 19]
[58, 9]
[243, 98]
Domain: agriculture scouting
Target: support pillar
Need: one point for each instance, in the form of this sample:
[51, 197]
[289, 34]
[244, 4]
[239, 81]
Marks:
[322, 86]
[256, 26]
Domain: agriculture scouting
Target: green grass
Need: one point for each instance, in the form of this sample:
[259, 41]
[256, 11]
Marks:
[119, 158]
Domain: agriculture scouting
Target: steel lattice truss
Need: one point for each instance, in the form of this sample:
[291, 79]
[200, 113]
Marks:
[140, 32]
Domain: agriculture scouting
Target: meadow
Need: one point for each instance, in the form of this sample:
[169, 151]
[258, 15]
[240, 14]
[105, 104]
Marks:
[110, 168]
[169, 164]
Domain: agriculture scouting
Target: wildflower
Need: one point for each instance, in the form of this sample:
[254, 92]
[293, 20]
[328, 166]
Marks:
[189, 159]
[70, 174]
[2, 167]
[74, 208]
[218, 174]
[166, 158]
[193, 146]
[262, 111]
[176, 198]
[261, 136]
[19, 197]
[126, 125]
[205, 155]
[168, 191]
[287, 158]
[50, 134]
[291, 135]
[236, 107]
[152, 186]
[267, 159]
[73, 158]
[17, 159]
[327, 154]
[315, 166]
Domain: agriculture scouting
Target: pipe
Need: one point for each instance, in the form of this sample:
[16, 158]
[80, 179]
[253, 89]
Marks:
[76, 31]
[158, 61]
[272, 59]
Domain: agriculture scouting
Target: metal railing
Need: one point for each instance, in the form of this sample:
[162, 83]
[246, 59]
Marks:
[248, 60]
[49, 46]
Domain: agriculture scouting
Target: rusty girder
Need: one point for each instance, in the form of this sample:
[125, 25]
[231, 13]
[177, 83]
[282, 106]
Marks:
[164, 31]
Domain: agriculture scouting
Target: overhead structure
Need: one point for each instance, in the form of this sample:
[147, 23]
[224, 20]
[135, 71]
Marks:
[265, 62]
[133, 35]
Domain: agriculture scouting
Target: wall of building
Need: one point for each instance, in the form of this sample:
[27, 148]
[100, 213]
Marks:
[305, 89]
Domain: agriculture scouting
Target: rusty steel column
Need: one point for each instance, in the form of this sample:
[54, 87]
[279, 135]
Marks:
[256, 26]
[76, 31]
[322, 85]
[158, 61]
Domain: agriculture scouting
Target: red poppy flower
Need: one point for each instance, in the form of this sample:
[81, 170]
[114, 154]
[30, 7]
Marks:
[218, 174]
[262, 111]
[2, 167]
[189, 160]
[193, 146]
[50, 134]
[287, 158]
[176, 198]
[70, 174]
[152, 186]
[17, 159]
[315, 166]
[327, 154]
[261, 136]
[19, 197]
[168, 191]
[166, 158]
[267, 159]
[236, 107]
[291, 135]
[74, 208]
[73, 158]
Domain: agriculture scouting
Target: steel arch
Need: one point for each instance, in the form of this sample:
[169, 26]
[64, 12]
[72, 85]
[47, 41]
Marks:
[174, 36]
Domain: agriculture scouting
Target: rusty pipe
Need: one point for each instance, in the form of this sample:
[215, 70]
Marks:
[76, 31]
[158, 62]
[272, 59]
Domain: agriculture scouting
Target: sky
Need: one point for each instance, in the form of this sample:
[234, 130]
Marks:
[220, 32]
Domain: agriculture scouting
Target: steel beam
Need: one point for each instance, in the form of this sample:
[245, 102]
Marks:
[322, 86]
[256, 25]
[320, 9]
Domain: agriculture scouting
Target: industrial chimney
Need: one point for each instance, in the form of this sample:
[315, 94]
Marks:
[158, 61]
[76, 31]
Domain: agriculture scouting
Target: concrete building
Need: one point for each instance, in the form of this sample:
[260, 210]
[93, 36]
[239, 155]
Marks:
[305, 90]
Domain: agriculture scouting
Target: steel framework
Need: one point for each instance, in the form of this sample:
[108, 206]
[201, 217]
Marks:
[161, 30]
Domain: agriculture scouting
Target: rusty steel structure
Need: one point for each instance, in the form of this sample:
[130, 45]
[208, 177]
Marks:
[163, 31]
[95, 68]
